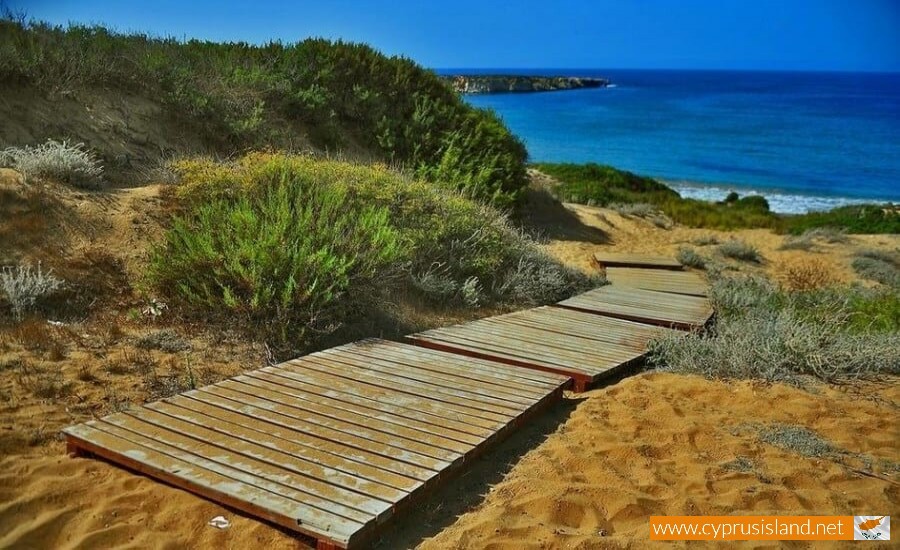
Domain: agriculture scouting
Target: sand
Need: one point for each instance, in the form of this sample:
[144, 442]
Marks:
[586, 475]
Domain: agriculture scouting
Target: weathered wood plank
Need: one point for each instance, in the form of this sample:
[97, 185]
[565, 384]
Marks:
[265, 427]
[204, 476]
[678, 311]
[661, 280]
[423, 408]
[329, 445]
[487, 371]
[374, 409]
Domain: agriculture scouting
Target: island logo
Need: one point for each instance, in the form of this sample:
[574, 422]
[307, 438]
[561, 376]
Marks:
[871, 527]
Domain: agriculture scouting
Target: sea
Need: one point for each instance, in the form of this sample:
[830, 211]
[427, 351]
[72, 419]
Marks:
[806, 141]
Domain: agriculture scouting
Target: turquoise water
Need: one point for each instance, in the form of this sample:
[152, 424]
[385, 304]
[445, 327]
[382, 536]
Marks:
[804, 140]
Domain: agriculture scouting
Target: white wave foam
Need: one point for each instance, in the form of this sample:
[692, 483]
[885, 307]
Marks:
[779, 201]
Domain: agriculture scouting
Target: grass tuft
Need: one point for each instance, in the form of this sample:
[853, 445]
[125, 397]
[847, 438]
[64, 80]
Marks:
[740, 250]
[689, 257]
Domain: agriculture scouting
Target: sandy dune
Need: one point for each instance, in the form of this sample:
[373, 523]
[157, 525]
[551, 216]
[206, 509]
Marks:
[586, 475]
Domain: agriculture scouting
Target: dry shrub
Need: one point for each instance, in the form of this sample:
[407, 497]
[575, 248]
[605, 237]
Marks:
[57, 160]
[25, 286]
[806, 274]
[740, 250]
[689, 257]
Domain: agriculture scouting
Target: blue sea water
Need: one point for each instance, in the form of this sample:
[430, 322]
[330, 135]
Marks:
[807, 141]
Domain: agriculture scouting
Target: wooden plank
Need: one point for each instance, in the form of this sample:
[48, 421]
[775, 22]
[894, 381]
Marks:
[282, 433]
[336, 424]
[615, 259]
[618, 336]
[330, 445]
[550, 348]
[345, 367]
[486, 371]
[323, 433]
[353, 492]
[284, 395]
[421, 407]
[384, 411]
[413, 370]
[662, 280]
[203, 477]
[645, 306]
[293, 447]
[566, 345]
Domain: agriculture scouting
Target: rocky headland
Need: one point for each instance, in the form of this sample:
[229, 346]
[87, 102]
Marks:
[493, 84]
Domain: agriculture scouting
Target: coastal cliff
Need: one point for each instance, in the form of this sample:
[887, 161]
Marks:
[492, 84]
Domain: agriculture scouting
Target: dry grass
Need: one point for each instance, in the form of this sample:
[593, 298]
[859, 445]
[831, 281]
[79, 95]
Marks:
[690, 257]
[740, 250]
[806, 274]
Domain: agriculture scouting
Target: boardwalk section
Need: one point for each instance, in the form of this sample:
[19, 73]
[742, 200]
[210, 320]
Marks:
[330, 445]
[644, 306]
[585, 346]
[689, 283]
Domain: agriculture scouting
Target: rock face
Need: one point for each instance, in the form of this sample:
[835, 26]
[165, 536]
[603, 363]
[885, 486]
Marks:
[494, 84]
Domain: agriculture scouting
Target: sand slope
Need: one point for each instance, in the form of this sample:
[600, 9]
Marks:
[660, 444]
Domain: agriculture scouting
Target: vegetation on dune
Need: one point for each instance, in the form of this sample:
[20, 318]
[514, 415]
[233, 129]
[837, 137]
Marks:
[298, 242]
[604, 185]
[57, 160]
[599, 185]
[779, 334]
[339, 93]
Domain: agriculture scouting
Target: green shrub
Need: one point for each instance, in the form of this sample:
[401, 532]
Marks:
[602, 185]
[892, 258]
[753, 202]
[283, 259]
[454, 250]
[339, 94]
[865, 218]
[739, 250]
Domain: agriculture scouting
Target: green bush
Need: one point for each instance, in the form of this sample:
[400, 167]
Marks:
[283, 258]
[603, 185]
[340, 94]
[451, 249]
[865, 218]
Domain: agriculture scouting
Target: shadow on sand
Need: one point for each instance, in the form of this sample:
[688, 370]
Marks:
[469, 486]
[543, 214]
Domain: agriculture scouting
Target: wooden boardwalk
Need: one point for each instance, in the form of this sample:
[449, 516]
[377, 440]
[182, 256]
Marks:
[662, 280]
[330, 445]
[585, 346]
[334, 444]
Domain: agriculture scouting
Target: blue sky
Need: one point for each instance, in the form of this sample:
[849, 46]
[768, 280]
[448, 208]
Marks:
[696, 34]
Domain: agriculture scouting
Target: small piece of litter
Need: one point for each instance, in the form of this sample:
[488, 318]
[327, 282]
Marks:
[220, 522]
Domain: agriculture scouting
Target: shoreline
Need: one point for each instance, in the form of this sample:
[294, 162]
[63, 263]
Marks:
[780, 201]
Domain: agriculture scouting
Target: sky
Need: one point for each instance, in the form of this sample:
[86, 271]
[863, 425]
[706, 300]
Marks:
[830, 35]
